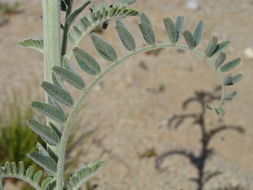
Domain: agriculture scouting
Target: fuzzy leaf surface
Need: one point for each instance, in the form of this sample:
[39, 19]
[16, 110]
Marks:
[50, 111]
[45, 132]
[104, 48]
[125, 36]
[86, 62]
[230, 65]
[57, 93]
[44, 161]
[171, 29]
[70, 77]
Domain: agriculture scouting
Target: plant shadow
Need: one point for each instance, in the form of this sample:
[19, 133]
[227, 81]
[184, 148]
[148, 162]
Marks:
[207, 135]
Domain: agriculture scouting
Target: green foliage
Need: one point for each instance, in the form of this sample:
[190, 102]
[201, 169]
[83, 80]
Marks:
[82, 175]
[14, 132]
[146, 29]
[58, 94]
[36, 44]
[125, 36]
[69, 76]
[87, 62]
[7, 10]
[104, 48]
[57, 132]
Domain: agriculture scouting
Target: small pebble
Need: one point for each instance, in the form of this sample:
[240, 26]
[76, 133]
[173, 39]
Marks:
[192, 5]
[248, 52]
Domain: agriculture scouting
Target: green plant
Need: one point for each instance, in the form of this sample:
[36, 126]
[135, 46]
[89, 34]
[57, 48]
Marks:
[14, 134]
[7, 11]
[55, 132]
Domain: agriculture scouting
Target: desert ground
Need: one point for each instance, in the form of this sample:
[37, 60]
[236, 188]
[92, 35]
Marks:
[130, 109]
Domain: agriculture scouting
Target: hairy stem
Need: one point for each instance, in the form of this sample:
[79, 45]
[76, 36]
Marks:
[85, 92]
[52, 53]
[51, 25]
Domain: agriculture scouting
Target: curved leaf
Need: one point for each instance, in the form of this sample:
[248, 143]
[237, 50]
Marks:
[90, 21]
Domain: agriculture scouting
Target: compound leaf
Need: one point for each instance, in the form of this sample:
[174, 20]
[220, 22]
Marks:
[36, 44]
[81, 176]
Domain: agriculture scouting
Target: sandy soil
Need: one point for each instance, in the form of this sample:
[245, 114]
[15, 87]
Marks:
[130, 113]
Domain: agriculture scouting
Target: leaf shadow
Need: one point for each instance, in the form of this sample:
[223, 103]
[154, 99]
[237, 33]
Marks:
[199, 161]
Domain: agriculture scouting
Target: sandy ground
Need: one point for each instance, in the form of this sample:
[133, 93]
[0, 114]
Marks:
[130, 113]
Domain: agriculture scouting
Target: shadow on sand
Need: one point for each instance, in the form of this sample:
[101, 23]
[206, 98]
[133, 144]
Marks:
[199, 161]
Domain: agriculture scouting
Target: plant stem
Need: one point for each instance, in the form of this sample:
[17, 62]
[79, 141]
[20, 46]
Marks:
[65, 33]
[51, 26]
[67, 127]
[52, 53]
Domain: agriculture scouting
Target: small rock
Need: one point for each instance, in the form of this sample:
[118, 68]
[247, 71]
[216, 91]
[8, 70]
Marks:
[192, 5]
[248, 52]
